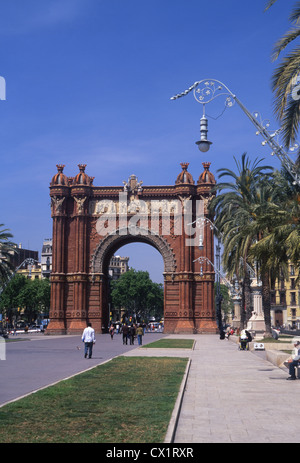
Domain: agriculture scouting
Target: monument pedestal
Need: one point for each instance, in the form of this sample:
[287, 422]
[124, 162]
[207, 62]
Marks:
[257, 320]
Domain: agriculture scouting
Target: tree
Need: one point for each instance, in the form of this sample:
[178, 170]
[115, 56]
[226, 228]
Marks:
[140, 296]
[226, 301]
[282, 221]
[285, 78]
[10, 301]
[30, 296]
[7, 248]
[261, 225]
[34, 298]
[234, 212]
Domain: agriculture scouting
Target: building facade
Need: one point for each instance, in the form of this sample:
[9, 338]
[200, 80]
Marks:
[21, 255]
[117, 266]
[285, 300]
[46, 258]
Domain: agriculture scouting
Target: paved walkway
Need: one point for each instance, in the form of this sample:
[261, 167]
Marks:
[234, 396]
[230, 395]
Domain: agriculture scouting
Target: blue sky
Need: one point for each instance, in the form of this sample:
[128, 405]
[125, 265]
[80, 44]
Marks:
[90, 81]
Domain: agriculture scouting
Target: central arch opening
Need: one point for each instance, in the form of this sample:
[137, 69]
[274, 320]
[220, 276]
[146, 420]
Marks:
[135, 294]
[111, 245]
[138, 295]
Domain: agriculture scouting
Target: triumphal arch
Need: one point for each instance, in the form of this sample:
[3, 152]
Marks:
[90, 223]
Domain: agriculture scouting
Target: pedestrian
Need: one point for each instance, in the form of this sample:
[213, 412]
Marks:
[125, 333]
[88, 337]
[140, 332]
[294, 361]
[131, 334]
[112, 331]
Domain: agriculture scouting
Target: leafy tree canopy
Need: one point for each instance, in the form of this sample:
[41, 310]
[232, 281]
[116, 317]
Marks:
[31, 296]
[138, 294]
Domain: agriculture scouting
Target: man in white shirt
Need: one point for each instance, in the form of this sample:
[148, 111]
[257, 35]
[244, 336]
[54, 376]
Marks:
[294, 362]
[88, 337]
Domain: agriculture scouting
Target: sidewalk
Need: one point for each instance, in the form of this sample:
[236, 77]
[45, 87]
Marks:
[233, 396]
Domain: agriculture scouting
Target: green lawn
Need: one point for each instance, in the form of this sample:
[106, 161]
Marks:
[171, 343]
[127, 400]
[276, 341]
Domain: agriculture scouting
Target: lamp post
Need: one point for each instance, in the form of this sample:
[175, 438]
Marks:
[235, 291]
[207, 90]
[219, 297]
[200, 222]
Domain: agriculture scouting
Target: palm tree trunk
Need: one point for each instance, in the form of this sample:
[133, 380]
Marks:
[243, 312]
[247, 292]
[266, 299]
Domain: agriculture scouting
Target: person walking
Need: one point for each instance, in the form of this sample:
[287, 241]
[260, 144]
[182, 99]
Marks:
[125, 333]
[140, 332]
[112, 331]
[88, 337]
[131, 334]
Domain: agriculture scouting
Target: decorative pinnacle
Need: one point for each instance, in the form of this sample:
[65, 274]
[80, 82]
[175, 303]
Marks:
[82, 167]
[184, 165]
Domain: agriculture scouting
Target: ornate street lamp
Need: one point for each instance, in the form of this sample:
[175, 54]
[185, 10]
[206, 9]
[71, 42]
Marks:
[203, 143]
[207, 90]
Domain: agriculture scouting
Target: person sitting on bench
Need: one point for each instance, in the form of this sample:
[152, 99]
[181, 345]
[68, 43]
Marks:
[294, 361]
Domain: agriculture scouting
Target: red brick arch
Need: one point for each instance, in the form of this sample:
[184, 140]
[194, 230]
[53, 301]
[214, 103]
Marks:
[91, 223]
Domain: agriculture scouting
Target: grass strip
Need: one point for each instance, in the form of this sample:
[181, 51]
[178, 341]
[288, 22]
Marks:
[171, 344]
[275, 341]
[127, 400]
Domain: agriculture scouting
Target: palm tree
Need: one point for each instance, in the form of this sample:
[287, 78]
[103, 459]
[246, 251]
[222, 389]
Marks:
[282, 218]
[285, 76]
[234, 212]
[269, 255]
[7, 248]
[264, 231]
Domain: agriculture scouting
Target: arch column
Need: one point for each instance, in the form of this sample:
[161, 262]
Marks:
[79, 277]
[58, 278]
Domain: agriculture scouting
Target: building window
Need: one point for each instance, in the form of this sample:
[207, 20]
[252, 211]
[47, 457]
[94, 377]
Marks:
[292, 270]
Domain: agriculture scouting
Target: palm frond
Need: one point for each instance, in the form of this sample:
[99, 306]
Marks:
[284, 41]
[290, 121]
[269, 4]
[283, 80]
[295, 14]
